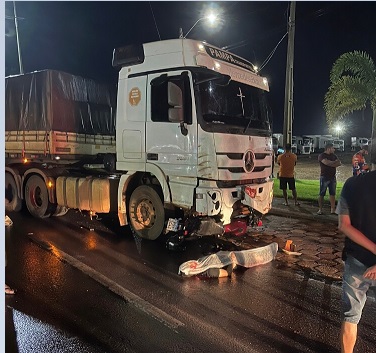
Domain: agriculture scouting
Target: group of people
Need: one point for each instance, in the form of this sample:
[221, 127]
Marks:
[328, 167]
[356, 211]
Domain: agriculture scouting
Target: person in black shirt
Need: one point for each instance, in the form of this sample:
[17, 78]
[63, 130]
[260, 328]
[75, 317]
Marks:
[328, 168]
[357, 210]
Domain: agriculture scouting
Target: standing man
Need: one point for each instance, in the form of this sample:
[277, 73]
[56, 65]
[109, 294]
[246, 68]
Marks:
[287, 162]
[328, 167]
[356, 210]
[358, 161]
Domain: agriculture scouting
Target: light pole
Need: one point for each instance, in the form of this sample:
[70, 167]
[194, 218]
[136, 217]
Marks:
[211, 18]
[289, 85]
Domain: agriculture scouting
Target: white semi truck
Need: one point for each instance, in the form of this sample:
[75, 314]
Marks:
[339, 144]
[358, 142]
[301, 144]
[190, 139]
[319, 142]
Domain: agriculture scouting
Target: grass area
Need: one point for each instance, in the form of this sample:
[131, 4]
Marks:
[307, 190]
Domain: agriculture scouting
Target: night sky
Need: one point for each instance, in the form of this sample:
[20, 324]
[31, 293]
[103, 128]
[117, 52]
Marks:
[79, 38]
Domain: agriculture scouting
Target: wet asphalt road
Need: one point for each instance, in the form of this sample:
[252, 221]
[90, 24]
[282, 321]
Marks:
[82, 290]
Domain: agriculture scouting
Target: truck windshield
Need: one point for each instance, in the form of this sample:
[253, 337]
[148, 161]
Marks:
[234, 107]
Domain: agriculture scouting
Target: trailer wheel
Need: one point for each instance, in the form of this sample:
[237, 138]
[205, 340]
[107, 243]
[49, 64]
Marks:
[36, 197]
[146, 212]
[12, 201]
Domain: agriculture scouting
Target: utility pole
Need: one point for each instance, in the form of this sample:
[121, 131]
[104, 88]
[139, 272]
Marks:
[17, 37]
[289, 85]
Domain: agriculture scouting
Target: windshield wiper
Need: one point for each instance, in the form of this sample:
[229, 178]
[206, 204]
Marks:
[249, 123]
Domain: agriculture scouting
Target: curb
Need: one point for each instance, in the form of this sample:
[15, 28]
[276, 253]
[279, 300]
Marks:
[303, 214]
[307, 210]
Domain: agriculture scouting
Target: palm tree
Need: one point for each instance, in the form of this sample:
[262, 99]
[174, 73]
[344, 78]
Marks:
[352, 87]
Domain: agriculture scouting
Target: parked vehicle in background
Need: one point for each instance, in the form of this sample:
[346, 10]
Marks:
[191, 140]
[319, 142]
[294, 142]
[357, 142]
[299, 144]
[339, 144]
[303, 144]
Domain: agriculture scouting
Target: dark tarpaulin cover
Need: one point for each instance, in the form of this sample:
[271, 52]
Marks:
[54, 100]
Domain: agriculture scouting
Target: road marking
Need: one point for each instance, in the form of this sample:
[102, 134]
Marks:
[130, 297]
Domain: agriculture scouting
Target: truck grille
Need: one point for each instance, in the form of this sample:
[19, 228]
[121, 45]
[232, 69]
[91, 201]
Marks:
[235, 162]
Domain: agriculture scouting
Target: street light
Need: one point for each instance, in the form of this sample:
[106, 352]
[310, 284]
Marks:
[338, 129]
[211, 18]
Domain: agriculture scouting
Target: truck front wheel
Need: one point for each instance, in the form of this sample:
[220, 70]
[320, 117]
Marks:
[146, 212]
[36, 197]
[12, 201]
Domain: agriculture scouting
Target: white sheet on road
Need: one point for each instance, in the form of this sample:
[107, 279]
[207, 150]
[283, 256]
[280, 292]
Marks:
[246, 258]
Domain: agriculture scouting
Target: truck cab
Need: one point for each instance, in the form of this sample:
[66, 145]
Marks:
[339, 144]
[193, 119]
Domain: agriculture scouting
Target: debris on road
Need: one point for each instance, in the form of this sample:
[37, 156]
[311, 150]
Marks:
[245, 258]
[8, 221]
[290, 248]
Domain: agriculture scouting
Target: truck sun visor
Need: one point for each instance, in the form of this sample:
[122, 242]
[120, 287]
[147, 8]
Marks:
[128, 55]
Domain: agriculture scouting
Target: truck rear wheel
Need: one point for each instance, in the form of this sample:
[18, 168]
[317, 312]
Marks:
[12, 201]
[146, 212]
[36, 197]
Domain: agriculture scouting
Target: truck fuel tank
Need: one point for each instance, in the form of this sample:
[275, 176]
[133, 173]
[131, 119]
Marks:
[89, 194]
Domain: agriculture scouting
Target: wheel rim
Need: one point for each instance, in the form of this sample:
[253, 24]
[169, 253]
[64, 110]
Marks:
[35, 196]
[145, 213]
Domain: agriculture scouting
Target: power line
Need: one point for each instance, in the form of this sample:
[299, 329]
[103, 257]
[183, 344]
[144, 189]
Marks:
[272, 53]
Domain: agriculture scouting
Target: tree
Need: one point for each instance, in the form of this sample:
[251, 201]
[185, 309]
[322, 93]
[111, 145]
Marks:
[352, 87]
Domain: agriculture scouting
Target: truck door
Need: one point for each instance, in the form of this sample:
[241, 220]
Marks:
[171, 125]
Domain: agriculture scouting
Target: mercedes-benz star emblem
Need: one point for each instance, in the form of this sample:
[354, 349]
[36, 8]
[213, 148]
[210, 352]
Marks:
[248, 161]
